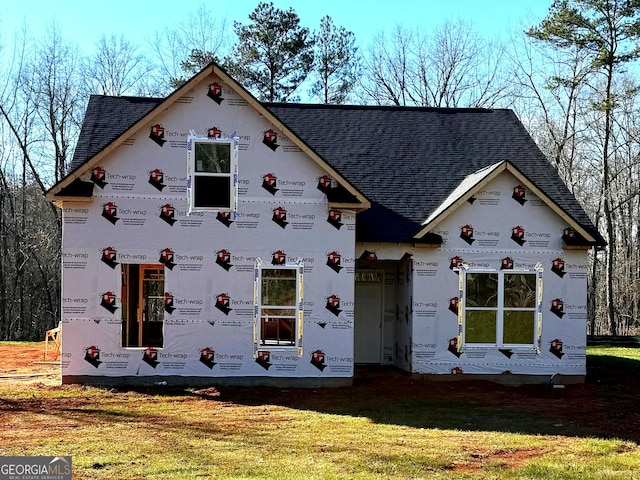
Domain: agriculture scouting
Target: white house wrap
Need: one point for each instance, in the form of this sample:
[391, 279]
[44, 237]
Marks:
[291, 242]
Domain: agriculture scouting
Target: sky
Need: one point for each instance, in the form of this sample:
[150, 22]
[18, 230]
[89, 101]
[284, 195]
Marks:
[84, 22]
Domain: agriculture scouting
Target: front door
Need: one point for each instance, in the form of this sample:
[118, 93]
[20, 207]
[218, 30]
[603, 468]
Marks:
[368, 316]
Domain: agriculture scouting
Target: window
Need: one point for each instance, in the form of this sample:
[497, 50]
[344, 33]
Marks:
[501, 308]
[142, 305]
[278, 321]
[212, 174]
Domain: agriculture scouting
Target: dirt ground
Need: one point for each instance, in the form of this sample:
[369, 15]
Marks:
[607, 404]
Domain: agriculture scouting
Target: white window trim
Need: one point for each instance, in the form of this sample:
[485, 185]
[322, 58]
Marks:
[299, 314]
[537, 342]
[233, 173]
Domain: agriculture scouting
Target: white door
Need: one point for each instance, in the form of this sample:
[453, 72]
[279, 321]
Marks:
[368, 317]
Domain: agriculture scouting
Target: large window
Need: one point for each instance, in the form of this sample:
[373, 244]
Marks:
[142, 305]
[212, 174]
[501, 308]
[278, 320]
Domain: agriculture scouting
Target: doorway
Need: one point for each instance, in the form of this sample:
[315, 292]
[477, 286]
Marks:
[142, 305]
[368, 316]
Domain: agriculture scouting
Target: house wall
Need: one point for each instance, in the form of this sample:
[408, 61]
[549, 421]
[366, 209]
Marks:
[492, 215]
[128, 214]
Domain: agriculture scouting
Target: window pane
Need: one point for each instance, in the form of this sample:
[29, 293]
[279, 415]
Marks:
[480, 327]
[212, 157]
[212, 192]
[519, 327]
[520, 290]
[279, 312]
[482, 290]
[278, 287]
[277, 331]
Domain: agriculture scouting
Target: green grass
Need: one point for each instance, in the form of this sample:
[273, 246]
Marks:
[175, 434]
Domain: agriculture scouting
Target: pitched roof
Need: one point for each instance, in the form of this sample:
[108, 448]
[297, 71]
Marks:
[408, 160]
[411, 163]
[105, 120]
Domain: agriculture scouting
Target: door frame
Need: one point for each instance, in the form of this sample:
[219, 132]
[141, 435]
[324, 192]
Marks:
[380, 284]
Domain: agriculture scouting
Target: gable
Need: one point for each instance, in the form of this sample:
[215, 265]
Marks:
[475, 184]
[502, 214]
[108, 127]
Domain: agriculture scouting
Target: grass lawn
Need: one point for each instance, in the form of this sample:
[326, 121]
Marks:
[449, 431]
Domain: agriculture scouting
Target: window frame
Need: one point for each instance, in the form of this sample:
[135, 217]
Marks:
[500, 309]
[232, 175]
[260, 267]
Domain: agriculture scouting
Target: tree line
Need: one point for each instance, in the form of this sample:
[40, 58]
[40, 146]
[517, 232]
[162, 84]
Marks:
[571, 79]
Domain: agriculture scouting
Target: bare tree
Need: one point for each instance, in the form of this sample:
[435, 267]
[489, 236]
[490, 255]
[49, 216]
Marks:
[452, 67]
[38, 116]
[177, 53]
[115, 68]
[608, 33]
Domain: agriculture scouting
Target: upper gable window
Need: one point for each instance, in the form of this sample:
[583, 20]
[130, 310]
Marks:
[212, 170]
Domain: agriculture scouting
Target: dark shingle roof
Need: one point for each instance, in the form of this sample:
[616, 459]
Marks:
[409, 159]
[405, 160]
[105, 120]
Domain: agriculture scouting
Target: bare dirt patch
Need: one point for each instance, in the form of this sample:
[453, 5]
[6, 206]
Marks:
[606, 405]
[26, 364]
